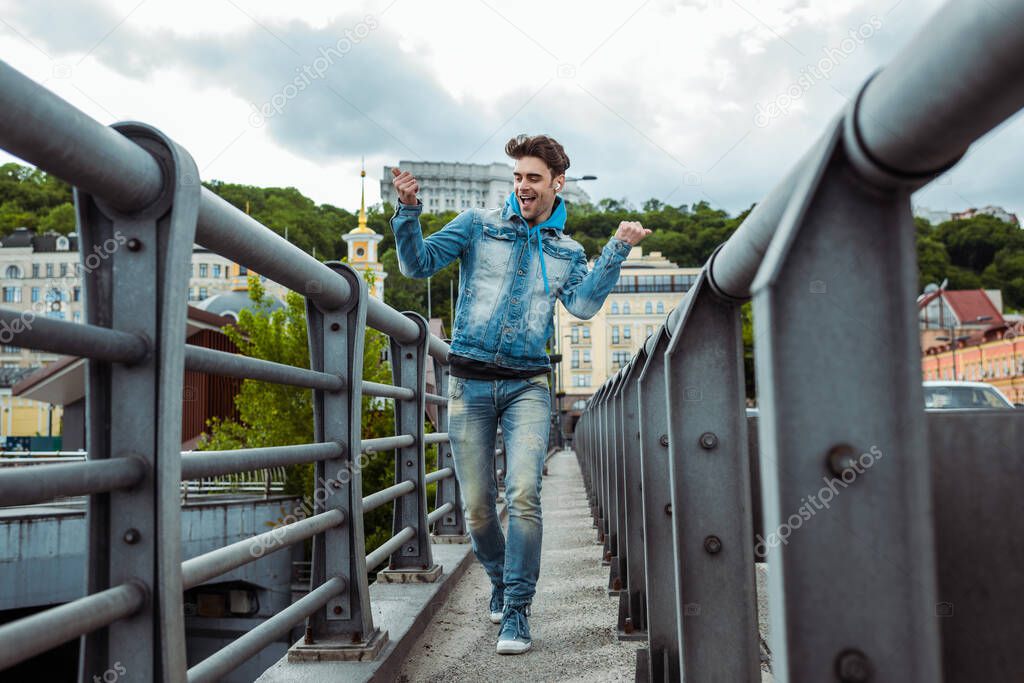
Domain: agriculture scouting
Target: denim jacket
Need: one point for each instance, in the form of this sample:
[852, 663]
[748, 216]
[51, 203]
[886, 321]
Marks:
[505, 311]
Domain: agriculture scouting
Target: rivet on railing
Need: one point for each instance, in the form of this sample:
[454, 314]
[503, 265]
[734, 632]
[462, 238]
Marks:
[853, 666]
[132, 536]
[335, 327]
[713, 545]
[134, 244]
[708, 440]
[841, 459]
[663, 439]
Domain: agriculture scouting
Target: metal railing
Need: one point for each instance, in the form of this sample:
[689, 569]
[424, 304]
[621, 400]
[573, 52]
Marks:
[140, 208]
[842, 483]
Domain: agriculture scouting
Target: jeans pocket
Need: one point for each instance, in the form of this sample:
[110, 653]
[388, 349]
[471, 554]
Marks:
[456, 387]
[539, 380]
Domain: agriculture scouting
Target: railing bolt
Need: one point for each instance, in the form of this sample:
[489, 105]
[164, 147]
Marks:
[335, 484]
[708, 440]
[853, 666]
[134, 244]
[663, 439]
[608, 555]
[335, 327]
[132, 536]
[408, 463]
[713, 545]
[616, 584]
[337, 609]
[308, 640]
[627, 625]
[410, 549]
[668, 509]
[841, 459]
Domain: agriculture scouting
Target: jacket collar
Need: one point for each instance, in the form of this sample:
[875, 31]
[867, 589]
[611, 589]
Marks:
[556, 221]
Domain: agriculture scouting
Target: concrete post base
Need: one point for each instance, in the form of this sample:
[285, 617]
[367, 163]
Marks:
[429, 575]
[341, 649]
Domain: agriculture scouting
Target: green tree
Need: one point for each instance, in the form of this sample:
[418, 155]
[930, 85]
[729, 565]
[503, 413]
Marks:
[279, 415]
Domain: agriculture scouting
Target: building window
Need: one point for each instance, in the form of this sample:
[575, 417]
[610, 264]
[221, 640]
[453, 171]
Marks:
[63, 270]
[49, 270]
[648, 307]
[586, 355]
[360, 251]
[216, 270]
[77, 316]
[11, 349]
[574, 335]
[625, 308]
[627, 332]
[202, 293]
[12, 295]
[661, 307]
[586, 333]
[35, 270]
[76, 293]
[203, 269]
[35, 294]
[615, 334]
[13, 273]
[575, 358]
[615, 308]
[242, 270]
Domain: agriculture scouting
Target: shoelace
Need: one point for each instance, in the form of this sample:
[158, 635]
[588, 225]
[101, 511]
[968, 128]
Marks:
[516, 615]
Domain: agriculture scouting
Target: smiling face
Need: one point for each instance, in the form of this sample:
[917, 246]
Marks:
[535, 188]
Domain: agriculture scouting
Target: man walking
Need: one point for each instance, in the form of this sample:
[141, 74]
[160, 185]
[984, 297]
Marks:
[515, 262]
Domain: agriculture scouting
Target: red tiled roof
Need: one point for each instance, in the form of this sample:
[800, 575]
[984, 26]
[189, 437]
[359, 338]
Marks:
[970, 304]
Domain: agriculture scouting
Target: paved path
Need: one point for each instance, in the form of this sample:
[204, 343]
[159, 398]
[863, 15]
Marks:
[573, 618]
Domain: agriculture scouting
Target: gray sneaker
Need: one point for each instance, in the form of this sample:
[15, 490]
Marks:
[514, 638]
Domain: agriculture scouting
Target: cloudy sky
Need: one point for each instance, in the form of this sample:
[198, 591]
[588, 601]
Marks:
[677, 100]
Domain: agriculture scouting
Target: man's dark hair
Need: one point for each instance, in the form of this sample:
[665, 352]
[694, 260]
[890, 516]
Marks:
[543, 147]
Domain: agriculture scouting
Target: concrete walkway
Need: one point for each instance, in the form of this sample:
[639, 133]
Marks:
[573, 620]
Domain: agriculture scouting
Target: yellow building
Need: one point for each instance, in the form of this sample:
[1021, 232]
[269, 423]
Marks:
[26, 417]
[649, 287]
[362, 247]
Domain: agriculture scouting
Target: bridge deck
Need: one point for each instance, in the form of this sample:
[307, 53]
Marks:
[573, 618]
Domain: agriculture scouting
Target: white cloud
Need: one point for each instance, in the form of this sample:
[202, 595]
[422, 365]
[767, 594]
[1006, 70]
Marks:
[656, 98]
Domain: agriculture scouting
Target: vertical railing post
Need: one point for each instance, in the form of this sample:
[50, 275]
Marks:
[451, 527]
[660, 662]
[343, 629]
[632, 624]
[413, 560]
[709, 476]
[843, 450]
[135, 273]
[617, 573]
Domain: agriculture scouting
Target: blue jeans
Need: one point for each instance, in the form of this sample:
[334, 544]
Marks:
[523, 408]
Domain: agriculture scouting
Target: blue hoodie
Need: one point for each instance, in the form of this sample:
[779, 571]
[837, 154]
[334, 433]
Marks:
[556, 220]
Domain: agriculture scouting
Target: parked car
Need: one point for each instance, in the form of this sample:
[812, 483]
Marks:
[949, 395]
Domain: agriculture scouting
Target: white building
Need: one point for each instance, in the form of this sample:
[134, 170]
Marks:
[40, 272]
[453, 186]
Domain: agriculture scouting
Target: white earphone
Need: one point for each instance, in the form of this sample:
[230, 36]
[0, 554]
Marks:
[558, 186]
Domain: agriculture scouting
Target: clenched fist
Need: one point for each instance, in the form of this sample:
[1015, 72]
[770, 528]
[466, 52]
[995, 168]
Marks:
[631, 232]
[406, 185]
